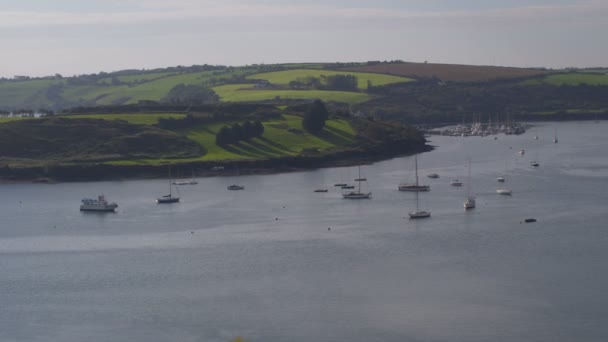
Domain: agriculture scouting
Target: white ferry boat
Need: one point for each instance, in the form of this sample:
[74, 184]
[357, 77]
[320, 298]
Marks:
[99, 204]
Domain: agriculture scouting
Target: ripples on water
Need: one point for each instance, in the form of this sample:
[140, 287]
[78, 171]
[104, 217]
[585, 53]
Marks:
[262, 264]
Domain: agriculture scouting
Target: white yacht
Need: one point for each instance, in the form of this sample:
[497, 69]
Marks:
[419, 214]
[99, 204]
[506, 192]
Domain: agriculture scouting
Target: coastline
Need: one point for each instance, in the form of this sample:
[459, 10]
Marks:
[107, 172]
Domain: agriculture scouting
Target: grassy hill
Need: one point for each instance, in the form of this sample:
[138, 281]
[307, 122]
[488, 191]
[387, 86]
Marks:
[284, 77]
[447, 72]
[246, 92]
[69, 140]
[571, 79]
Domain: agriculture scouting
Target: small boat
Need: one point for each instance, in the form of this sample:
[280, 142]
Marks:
[433, 175]
[340, 184]
[347, 187]
[166, 199]
[236, 187]
[419, 214]
[321, 190]
[535, 164]
[522, 151]
[99, 204]
[501, 179]
[455, 182]
[360, 179]
[506, 192]
[555, 137]
[357, 194]
[530, 220]
[180, 183]
[416, 187]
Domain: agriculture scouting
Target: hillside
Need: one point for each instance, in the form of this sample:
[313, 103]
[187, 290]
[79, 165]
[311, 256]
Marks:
[447, 72]
[62, 140]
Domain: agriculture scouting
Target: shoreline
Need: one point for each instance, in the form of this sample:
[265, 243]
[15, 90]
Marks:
[107, 172]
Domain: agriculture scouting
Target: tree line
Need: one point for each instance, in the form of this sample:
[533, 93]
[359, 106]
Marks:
[228, 135]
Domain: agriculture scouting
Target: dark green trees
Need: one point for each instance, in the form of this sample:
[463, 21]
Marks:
[235, 133]
[315, 117]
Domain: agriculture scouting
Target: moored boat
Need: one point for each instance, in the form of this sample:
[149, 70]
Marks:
[99, 204]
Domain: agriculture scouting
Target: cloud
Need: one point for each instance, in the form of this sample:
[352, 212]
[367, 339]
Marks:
[590, 12]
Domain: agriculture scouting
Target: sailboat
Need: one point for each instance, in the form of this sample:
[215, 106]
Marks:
[358, 194]
[168, 198]
[501, 179]
[469, 203]
[555, 137]
[192, 181]
[419, 214]
[414, 187]
[234, 187]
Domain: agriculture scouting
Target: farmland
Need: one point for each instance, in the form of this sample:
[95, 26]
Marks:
[447, 72]
[135, 118]
[282, 137]
[571, 79]
[284, 77]
[246, 92]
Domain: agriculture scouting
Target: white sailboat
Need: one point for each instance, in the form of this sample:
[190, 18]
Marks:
[419, 214]
[414, 187]
[469, 203]
[357, 194]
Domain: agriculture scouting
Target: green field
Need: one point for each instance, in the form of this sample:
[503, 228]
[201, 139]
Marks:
[284, 77]
[279, 140]
[6, 119]
[136, 118]
[572, 79]
[153, 86]
[245, 92]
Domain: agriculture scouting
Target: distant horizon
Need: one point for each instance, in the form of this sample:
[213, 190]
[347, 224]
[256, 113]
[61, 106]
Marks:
[73, 37]
[288, 63]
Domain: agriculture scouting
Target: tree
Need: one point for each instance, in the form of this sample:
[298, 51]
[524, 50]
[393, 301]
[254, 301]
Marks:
[237, 132]
[248, 131]
[258, 128]
[315, 117]
[191, 95]
[224, 137]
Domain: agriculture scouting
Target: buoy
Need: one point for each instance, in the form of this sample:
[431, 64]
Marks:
[328, 228]
[276, 218]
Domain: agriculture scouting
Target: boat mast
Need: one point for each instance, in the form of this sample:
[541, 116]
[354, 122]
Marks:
[469, 182]
[416, 163]
[359, 180]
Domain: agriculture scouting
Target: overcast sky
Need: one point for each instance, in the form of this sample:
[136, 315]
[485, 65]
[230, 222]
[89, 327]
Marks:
[43, 37]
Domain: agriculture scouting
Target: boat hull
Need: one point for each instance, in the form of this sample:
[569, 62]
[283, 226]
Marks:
[98, 208]
[167, 200]
[357, 195]
[414, 188]
[419, 215]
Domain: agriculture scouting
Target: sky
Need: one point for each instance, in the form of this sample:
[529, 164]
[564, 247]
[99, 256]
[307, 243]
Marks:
[70, 37]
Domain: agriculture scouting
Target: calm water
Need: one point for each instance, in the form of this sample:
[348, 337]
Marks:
[262, 264]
